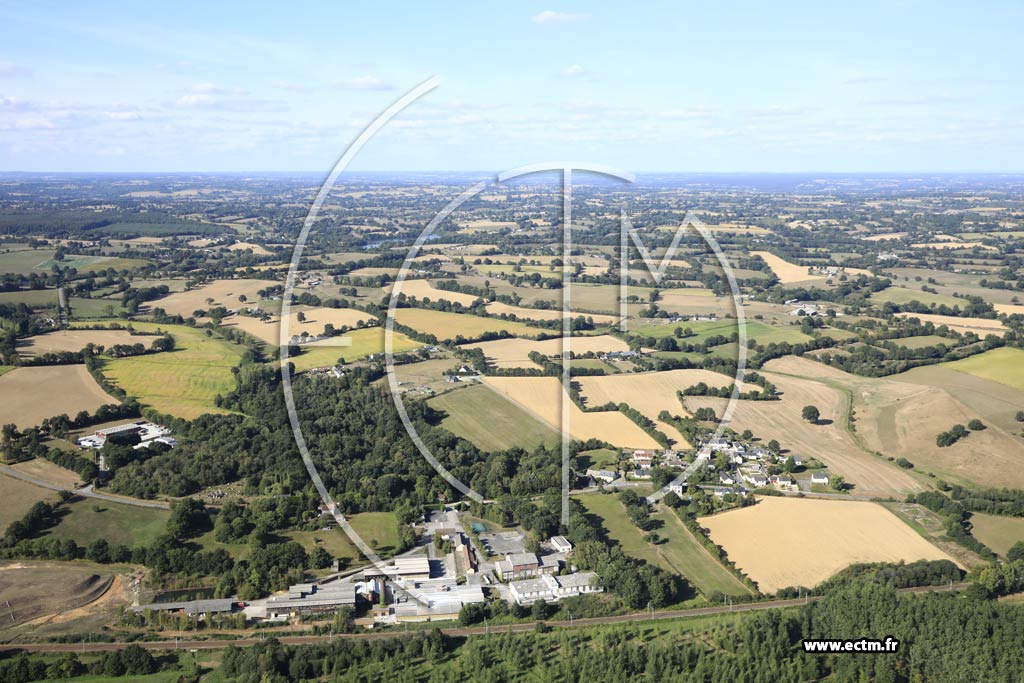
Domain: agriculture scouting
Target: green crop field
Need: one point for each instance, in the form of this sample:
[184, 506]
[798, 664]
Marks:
[492, 423]
[923, 341]
[1005, 365]
[24, 261]
[997, 532]
[444, 325]
[91, 309]
[89, 520]
[762, 332]
[37, 298]
[364, 342]
[690, 559]
[182, 382]
[902, 295]
[91, 264]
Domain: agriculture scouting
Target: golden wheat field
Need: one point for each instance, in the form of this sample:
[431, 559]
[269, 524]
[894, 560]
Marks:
[784, 542]
[980, 326]
[514, 353]
[76, 340]
[543, 398]
[498, 308]
[650, 393]
[223, 293]
[48, 390]
[422, 289]
[316, 319]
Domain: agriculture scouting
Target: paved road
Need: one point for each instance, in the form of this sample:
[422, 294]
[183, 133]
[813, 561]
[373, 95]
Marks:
[85, 491]
[477, 630]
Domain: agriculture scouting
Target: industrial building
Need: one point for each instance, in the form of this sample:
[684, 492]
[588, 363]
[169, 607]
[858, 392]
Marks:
[553, 588]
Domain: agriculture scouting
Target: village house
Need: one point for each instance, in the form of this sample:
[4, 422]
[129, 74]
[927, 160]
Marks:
[819, 477]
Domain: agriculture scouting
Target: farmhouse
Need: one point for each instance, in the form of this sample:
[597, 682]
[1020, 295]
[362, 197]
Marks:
[554, 588]
[819, 477]
[643, 458]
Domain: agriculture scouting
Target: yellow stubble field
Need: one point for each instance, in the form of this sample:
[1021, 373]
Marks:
[544, 398]
[784, 542]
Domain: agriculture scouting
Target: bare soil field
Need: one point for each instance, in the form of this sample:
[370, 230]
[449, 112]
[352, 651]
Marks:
[784, 542]
[805, 382]
[544, 398]
[48, 390]
[514, 353]
[76, 340]
[18, 497]
[650, 393]
[980, 326]
[316, 319]
[223, 292]
[38, 590]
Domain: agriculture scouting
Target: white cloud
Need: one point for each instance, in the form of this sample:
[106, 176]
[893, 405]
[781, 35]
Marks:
[573, 70]
[552, 17]
[288, 85]
[10, 70]
[363, 83]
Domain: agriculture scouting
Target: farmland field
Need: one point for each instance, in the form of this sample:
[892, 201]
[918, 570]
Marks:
[621, 529]
[18, 497]
[688, 557]
[444, 325]
[650, 393]
[182, 382]
[804, 382]
[48, 390]
[88, 520]
[784, 542]
[76, 340]
[761, 332]
[787, 272]
[902, 295]
[316, 319]
[223, 292]
[422, 289]
[514, 353]
[491, 422]
[1004, 365]
[498, 308]
[40, 298]
[544, 397]
[980, 326]
[364, 342]
[997, 532]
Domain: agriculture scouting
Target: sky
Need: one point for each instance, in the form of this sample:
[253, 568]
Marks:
[891, 86]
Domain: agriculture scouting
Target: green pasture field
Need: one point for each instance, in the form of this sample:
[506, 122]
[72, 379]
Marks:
[492, 423]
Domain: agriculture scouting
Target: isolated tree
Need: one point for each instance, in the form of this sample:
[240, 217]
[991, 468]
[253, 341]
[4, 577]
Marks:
[976, 425]
[790, 465]
[811, 414]
[838, 483]
[301, 317]
[774, 446]
[1020, 416]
